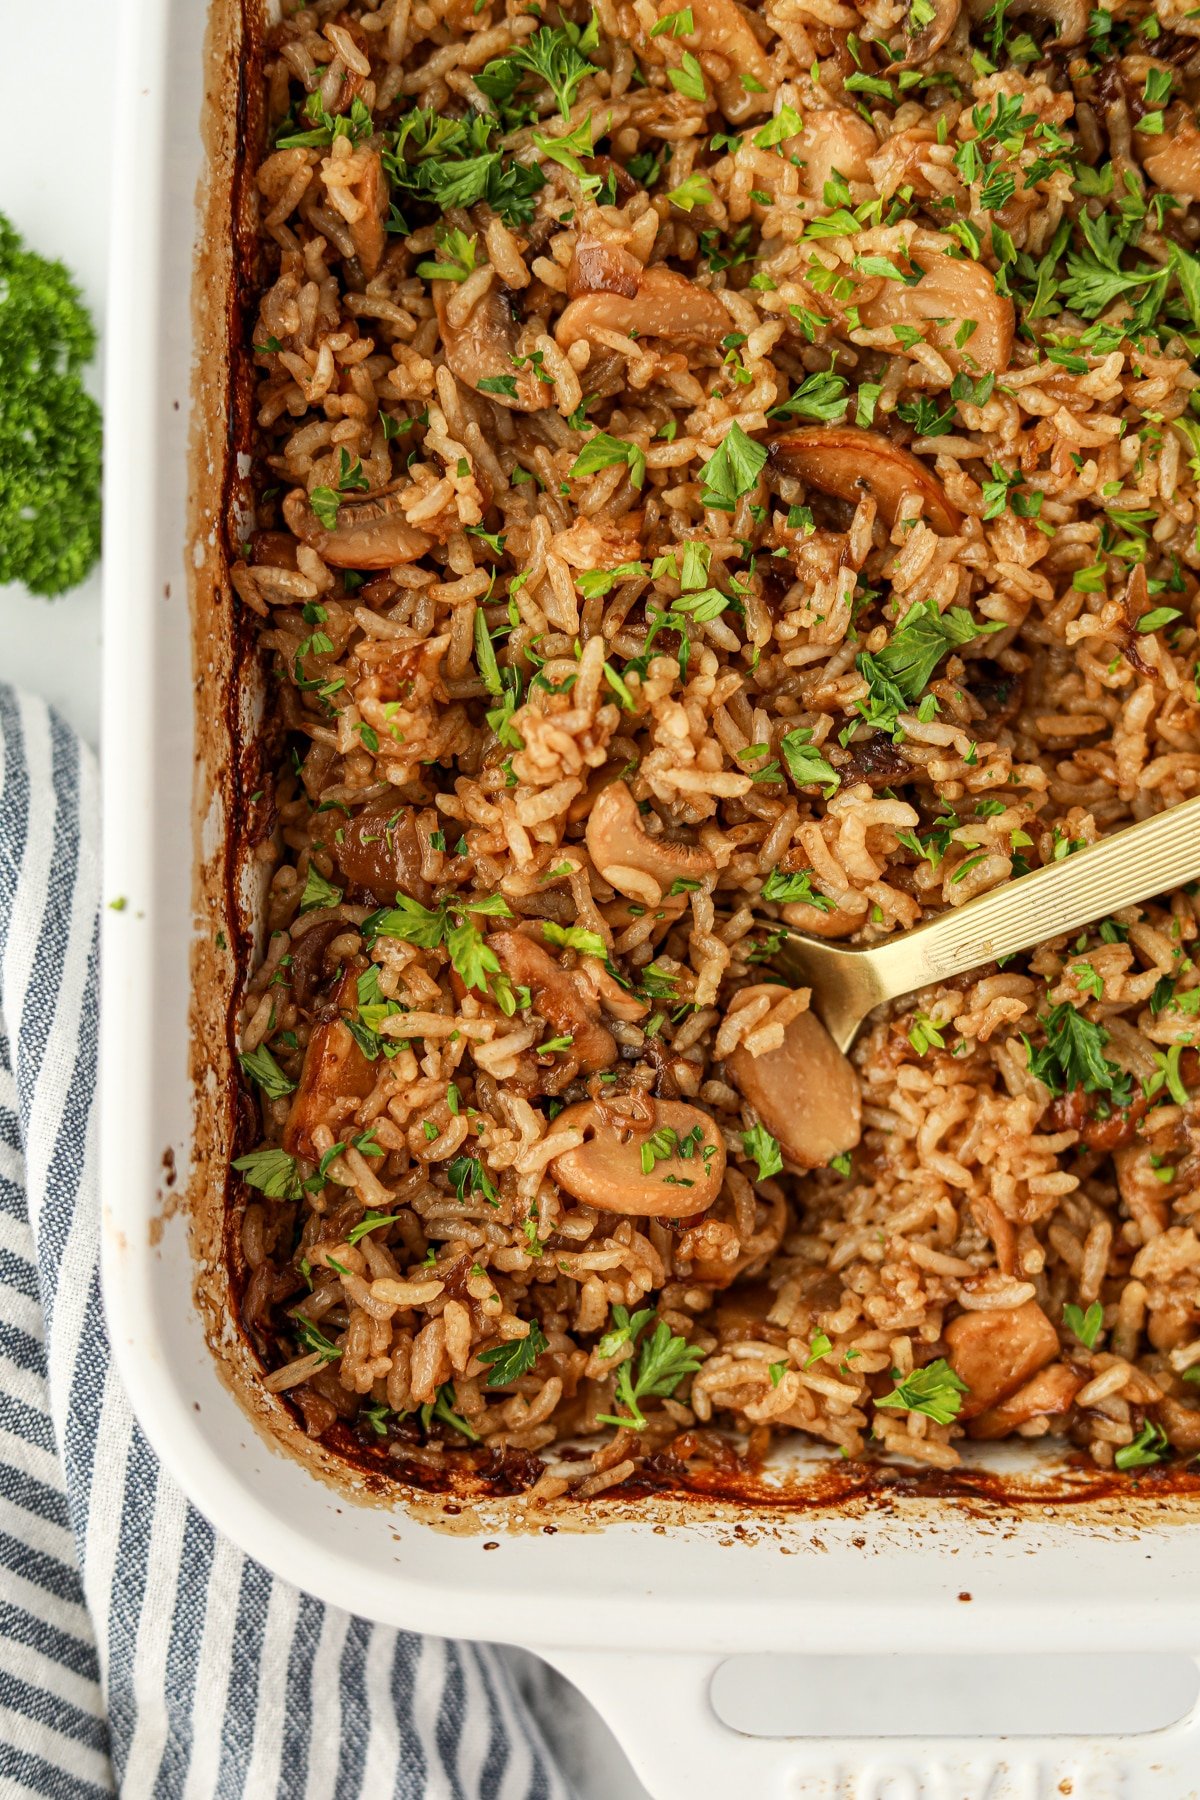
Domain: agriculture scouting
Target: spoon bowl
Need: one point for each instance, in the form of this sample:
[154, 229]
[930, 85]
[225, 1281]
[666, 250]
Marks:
[1136, 863]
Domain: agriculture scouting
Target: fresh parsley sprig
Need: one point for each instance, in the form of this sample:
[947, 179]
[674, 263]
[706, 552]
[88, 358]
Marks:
[934, 1390]
[662, 1362]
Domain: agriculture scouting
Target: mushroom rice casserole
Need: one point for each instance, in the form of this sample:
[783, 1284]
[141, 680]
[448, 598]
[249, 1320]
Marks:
[713, 466]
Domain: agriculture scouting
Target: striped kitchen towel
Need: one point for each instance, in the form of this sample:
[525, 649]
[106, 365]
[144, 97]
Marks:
[139, 1652]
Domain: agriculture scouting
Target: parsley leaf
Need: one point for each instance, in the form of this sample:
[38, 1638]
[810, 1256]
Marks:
[1086, 1326]
[662, 1363]
[575, 937]
[732, 470]
[602, 451]
[1074, 1055]
[806, 765]
[515, 1358]
[821, 397]
[934, 1390]
[266, 1073]
[898, 674]
[1150, 1446]
[795, 889]
[272, 1171]
[759, 1144]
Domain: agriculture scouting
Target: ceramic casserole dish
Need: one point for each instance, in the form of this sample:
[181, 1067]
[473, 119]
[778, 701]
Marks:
[1054, 1606]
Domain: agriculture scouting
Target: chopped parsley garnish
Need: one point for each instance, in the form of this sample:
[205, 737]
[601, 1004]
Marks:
[468, 1176]
[318, 892]
[1086, 1326]
[934, 1390]
[266, 1073]
[805, 763]
[442, 1409]
[516, 1358]
[450, 923]
[898, 674]
[688, 78]
[1073, 1056]
[272, 1171]
[796, 889]
[315, 1340]
[759, 1144]
[821, 397]
[732, 470]
[552, 56]
[662, 1363]
[1149, 1447]
[575, 937]
[370, 1221]
[603, 451]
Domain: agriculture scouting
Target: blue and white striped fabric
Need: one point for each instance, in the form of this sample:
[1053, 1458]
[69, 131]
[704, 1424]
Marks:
[139, 1652]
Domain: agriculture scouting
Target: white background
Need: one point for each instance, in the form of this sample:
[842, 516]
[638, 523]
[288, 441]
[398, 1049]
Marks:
[54, 186]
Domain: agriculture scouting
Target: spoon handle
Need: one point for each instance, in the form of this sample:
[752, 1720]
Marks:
[1133, 864]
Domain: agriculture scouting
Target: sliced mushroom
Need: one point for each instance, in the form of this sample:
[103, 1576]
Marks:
[721, 25]
[921, 41]
[336, 1075]
[806, 1093]
[665, 305]
[1174, 163]
[606, 1170]
[1181, 1424]
[598, 267]
[833, 140]
[484, 347]
[1069, 17]
[378, 851]
[637, 865]
[1051, 1392]
[848, 463]
[998, 1351]
[370, 533]
[949, 293]
[562, 1001]
[367, 233]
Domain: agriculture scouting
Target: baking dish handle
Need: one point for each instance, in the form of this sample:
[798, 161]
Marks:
[658, 1705]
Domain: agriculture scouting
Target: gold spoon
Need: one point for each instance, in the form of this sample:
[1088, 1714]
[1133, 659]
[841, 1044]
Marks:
[1134, 864]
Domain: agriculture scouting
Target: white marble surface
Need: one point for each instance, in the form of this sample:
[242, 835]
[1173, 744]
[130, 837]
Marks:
[60, 202]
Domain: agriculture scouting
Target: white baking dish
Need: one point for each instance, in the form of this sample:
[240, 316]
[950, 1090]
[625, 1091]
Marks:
[641, 1608]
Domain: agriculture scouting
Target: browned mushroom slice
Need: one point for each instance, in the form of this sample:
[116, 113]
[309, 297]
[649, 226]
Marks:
[1050, 1392]
[1174, 163]
[666, 305]
[378, 851]
[639, 866]
[920, 41]
[370, 533]
[567, 1005]
[484, 348]
[721, 25]
[1068, 17]
[669, 1167]
[1181, 1424]
[368, 233]
[335, 1076]
[848, 463]
[598, 267]
[806, 1092]
[998, 1351]
[950, 294]
[834, 139]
